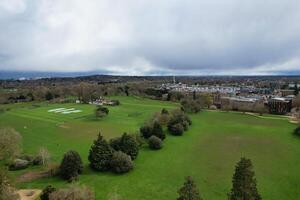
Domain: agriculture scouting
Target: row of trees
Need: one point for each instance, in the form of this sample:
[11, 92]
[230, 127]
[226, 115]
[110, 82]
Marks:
[117, 156]
[176, 122]
[244, 185]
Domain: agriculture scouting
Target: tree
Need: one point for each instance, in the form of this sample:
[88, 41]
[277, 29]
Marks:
[48, 96]
[244, 182]
[10, 143]
[43, 157]
[121, 162]
[296, 101]
[146, 131]
[100, 154]
[296, 92]
[101, 111]
[7, 192]
[189, 190]
[71, 166]
[155, 142]
[46, 192]
[191, 106]
[153, 128]
[158, 131]
[127, 144]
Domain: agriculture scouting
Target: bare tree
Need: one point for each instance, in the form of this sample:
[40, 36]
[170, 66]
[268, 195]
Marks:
[10, 143]
[44, 156]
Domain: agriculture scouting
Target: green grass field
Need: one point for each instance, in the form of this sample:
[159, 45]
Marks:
[208, 151]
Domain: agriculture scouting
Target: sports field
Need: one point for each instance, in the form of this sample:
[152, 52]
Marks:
[208, 151]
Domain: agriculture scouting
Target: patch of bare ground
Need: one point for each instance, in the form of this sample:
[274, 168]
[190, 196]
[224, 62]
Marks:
[29, 194]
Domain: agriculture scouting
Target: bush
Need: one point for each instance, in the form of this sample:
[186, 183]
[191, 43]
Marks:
[191, 106]
[127, 144]
[164, 111]
[100, 154]
[46, 192]
[71, 166]
[297, 131]
[101, 111]
[146, 131]
[121, 162]
[155, 142]
[158, 131]
[152, 129]
[73, 193]
[115, 102]
[19, 164]
[178, 123]
[176, 129]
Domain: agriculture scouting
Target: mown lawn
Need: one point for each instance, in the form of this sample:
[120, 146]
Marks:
[208, 151]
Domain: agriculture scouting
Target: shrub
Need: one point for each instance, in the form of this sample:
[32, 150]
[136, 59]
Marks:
[152, 129]
[121, 162]
[73, 193]
[7, 192]
[101, 111]
[155, 142]
[158, 131]
[115, 102]
[297, 131]
[178, 123]
[127, 144]
[191, 106]
[176, 129]
[164, 111]
[100, 154]
[71, 166]
[46, 192]
[19, 164]
[146, 131]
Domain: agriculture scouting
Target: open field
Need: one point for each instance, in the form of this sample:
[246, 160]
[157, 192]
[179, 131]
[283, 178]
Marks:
[208, 151]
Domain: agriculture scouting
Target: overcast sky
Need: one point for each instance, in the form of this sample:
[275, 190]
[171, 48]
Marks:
[148, 37]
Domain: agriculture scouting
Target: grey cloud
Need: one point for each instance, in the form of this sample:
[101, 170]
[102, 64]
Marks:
[148, 37]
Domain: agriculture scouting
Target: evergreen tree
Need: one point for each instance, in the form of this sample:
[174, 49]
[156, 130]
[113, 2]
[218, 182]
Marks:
[127, 144]
[100, 154]
[244, 182]
[189, 190]
[71, 166]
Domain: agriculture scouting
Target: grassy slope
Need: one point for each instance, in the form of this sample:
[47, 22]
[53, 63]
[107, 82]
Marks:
[208, 151]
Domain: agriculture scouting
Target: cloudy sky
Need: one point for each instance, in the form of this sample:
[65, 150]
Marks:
[148, 37]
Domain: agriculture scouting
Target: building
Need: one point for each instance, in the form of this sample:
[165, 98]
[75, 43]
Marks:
[279, 105]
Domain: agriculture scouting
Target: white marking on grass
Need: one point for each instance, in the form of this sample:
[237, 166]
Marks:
[65, 110]
[56, 109]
